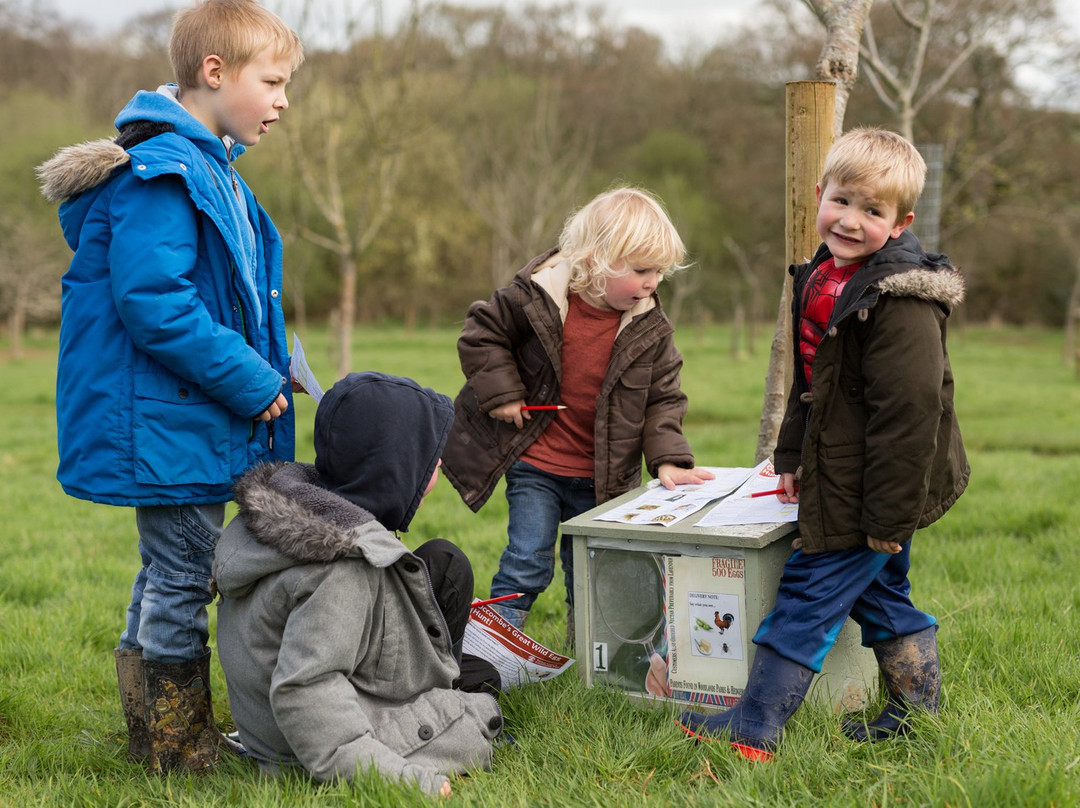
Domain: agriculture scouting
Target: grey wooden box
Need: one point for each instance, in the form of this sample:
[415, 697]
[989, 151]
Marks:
[620, 576]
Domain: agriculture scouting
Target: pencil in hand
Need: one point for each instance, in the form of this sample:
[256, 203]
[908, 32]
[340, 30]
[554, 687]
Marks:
[766, 493]
[543, 407]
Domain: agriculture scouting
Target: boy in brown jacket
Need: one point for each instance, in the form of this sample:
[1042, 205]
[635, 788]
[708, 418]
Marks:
[869, 448]
[579, 328]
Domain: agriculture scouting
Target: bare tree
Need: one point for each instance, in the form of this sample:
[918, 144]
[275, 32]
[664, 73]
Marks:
[924, 45]
[347, 139]
[844, 22]
[523, 182]
[31, 261]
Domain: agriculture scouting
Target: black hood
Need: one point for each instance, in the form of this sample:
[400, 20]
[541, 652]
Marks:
[378, 439]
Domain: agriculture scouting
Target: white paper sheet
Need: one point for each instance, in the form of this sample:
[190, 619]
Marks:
[301, 373]
[663, 507]
[740, 508]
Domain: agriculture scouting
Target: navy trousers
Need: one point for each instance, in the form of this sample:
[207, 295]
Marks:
[819, 591]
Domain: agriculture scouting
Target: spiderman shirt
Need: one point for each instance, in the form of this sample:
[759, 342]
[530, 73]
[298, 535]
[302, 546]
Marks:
[822, 290]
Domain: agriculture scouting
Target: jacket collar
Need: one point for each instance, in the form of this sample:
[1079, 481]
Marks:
[900, 269]
[552, 274]
[284, 509]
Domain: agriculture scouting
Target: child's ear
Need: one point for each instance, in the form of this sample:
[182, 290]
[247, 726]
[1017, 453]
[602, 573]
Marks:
[903, 224]
[817, 193]
[212, 71]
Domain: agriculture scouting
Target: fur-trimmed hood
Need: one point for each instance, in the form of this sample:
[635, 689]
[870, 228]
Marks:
[76, 169]
[944, 285]
[286, 518]
[79, 168]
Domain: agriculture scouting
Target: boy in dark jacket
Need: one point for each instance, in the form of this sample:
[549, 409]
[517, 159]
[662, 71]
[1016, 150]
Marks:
[172, 377]
[342, 649]
[580, 328]
[869, 448]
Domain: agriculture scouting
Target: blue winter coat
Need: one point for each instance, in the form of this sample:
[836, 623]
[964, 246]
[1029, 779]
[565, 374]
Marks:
[172, 338]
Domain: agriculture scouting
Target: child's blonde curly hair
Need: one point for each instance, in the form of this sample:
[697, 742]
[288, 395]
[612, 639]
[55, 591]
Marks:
[621, 224]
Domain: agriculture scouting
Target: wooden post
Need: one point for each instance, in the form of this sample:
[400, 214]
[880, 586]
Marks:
[811, 109]
[810, 119]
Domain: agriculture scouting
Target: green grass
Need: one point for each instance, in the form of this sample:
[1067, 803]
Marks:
[999, 571]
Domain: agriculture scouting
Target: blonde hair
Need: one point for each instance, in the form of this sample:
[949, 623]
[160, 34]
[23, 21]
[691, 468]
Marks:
[621, 224]
[235, 30]
[881, 159]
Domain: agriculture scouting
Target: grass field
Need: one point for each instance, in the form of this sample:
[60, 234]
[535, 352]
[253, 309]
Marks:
[1000, 571]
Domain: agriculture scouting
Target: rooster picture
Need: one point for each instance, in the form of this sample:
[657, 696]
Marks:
[723, 622]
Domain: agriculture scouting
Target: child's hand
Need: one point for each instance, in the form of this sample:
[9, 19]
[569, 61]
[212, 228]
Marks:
[791, 495]
[881, 546]
[275, 410]
[445, 790]
[671, 475]
[511, 413]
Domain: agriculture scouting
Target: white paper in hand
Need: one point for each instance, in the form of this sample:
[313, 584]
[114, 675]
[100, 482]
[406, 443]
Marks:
[301, 373]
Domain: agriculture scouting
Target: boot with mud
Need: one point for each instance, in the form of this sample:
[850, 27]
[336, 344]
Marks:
[912, 675]
[129, 675]
[180, 717]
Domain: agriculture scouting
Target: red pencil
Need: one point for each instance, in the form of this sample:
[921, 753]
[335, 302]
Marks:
[774, 491]
[496, 600]
[543, 407]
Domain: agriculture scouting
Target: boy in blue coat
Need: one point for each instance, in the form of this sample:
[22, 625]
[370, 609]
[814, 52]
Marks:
[173, 371]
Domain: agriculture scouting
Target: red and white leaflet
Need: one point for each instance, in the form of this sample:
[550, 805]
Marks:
[519, 659]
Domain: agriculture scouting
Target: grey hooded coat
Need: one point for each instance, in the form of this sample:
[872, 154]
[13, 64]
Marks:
[336, 654]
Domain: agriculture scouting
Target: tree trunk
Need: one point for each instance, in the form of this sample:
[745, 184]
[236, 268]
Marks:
[348, 315]
[839, 59]
[810, 121]
[844, 21]
[1072, 324]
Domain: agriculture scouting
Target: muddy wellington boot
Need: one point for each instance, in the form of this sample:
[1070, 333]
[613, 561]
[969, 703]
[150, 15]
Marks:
[129, 675]
[912, 675]
[775, 689]
[180, 717]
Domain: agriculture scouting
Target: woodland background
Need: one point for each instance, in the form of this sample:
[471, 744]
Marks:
[418, 167]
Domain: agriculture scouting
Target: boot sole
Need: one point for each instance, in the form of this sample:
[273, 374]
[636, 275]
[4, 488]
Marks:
[748, 752]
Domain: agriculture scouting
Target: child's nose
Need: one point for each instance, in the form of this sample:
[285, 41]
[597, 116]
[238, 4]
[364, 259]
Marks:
[849, 219]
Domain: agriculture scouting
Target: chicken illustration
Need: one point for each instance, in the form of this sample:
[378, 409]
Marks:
[723, 622]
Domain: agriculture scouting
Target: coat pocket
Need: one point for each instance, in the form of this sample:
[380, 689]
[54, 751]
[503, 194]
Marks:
[629, 400]
[181, 435]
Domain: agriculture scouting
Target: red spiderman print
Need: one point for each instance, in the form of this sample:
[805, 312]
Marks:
[819, 298]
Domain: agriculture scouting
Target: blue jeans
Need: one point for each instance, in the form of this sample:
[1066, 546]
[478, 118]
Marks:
[167, 616]
[817, 593]
[538, 503]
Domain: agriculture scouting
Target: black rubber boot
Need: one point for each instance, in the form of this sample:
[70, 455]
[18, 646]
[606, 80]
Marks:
[909, 666]
[129, 676]
[775, 689]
